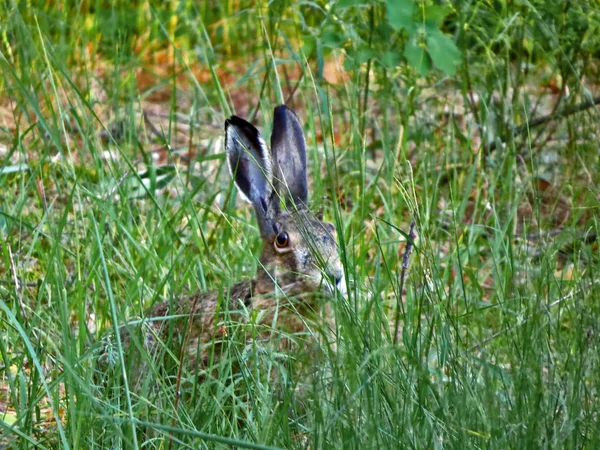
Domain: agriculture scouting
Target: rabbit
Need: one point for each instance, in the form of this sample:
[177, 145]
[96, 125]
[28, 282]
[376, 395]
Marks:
[299, 264]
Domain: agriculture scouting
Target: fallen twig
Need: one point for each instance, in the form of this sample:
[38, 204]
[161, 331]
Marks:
[405, 260]
[521, 129]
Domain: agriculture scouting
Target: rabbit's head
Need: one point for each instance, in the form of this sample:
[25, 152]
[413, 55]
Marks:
[300, 254]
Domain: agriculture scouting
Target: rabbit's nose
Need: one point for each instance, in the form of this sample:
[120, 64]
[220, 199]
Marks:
[336, 277]
[339, 281]
[341, 285]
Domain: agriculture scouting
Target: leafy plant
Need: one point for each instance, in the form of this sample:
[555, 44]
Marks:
[392, 32]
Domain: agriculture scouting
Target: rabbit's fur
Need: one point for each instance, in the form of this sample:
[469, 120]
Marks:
[299, 261]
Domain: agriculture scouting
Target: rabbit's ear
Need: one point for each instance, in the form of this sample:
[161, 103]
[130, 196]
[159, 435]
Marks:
[289, 157]
[250, 165]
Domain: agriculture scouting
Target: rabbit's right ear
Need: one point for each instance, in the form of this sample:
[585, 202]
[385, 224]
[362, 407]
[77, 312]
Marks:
[250, 165]
[289, 157]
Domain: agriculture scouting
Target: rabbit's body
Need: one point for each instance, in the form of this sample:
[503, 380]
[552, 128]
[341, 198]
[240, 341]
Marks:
[299, 264]
[197, 320]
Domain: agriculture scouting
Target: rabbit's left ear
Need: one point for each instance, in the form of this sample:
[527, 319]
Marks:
[250, 165]
[289, 157]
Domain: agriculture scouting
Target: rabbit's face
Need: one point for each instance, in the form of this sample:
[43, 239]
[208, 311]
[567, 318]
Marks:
[302, 255]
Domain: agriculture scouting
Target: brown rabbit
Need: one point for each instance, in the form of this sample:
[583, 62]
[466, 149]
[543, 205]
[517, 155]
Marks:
[299, 261]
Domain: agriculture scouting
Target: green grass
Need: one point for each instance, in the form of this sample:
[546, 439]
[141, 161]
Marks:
[498, 344]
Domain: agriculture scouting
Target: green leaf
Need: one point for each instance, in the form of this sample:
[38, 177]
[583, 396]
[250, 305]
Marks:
[417, 57]
[435, 14]
[347, 3]
[443, 51]
[350, 64]
[390, 59]
[363, 54]
[332, 39]
[400, 14]
[309, 43]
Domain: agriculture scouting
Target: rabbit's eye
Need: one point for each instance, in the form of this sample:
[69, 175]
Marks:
[282, 240]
